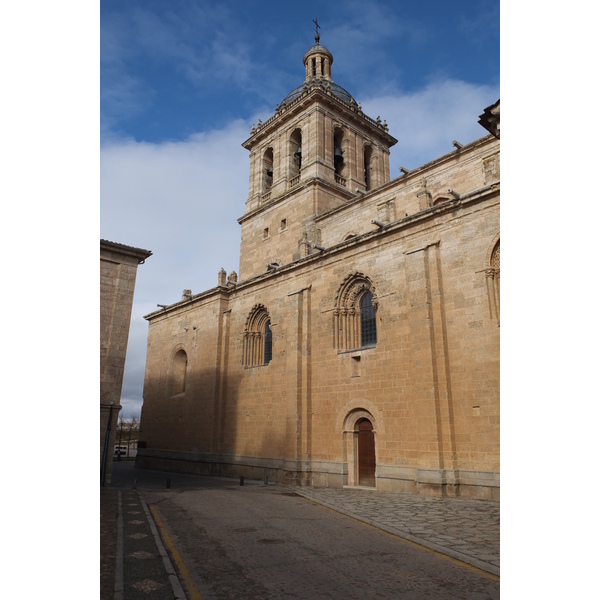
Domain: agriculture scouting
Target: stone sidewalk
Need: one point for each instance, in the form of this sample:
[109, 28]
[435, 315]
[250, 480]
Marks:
[467, 530]
[133, 563]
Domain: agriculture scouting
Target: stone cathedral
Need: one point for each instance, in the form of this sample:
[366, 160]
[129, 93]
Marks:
[359, 343]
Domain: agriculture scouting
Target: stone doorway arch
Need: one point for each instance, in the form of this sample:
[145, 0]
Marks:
[360, 448]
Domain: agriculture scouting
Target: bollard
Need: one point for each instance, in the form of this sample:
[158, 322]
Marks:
[266, 480]
[168, 483]
[242, 480]
[134, 484]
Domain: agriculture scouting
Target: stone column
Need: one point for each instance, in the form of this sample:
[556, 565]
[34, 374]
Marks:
[432, 388]
[299, 387]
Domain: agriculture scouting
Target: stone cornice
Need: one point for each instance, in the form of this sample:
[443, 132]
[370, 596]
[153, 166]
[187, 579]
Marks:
[313, 181]
[318, 94]
[422, 216]
[138, 253]
[413, 174]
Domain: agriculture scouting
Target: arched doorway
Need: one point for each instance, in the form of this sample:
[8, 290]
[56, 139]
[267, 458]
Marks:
[366, 453]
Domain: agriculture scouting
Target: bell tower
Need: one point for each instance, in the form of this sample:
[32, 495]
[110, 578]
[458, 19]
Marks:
[317, 152]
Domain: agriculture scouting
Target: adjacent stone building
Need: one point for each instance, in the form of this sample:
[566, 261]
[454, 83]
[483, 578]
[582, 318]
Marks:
[359, 344]
[118, 269]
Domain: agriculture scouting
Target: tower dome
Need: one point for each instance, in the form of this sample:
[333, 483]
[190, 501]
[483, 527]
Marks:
[317, 64]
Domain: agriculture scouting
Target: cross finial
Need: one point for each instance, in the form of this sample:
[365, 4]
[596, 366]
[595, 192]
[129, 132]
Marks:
[317, 27]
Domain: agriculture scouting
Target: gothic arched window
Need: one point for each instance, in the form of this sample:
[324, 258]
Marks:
[355, 314]
[258, 339]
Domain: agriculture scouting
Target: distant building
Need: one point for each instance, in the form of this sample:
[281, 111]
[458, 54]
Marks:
[359, 345]
[118, 269]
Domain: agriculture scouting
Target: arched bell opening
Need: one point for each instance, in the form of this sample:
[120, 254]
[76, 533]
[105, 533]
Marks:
[339, 162]
[295, 154]
[267, 170]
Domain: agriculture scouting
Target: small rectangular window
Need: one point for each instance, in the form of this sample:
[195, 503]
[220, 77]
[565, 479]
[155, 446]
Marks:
[265, 233]
[283, 224]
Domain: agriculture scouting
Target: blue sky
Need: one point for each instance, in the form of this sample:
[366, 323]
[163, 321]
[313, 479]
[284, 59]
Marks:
[183, 82]
[171, 69]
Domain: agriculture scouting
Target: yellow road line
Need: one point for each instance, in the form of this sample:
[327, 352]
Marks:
[179, 564]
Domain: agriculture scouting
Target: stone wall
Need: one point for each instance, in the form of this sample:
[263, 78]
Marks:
[118, 269]
[430, 385]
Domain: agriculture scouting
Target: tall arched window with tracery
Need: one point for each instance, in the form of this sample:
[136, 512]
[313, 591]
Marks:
[355, 314]
[258, 339]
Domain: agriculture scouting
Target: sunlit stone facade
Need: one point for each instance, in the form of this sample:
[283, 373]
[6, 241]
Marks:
[359, 344]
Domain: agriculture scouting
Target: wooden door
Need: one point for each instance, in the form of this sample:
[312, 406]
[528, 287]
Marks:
[366, 453]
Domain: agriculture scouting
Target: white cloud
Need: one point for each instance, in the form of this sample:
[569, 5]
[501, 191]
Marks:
[180, 200]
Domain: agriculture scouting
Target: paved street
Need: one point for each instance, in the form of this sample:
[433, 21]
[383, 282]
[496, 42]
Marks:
[257, 541]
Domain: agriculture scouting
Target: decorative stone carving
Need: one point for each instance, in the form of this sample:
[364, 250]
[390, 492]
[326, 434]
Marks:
[491, 170]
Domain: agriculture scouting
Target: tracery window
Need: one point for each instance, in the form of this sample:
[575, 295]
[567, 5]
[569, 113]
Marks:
[493, 282]
[355, 314]
[257, 346]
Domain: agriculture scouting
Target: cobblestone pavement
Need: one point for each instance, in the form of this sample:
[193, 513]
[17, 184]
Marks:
[467, 530]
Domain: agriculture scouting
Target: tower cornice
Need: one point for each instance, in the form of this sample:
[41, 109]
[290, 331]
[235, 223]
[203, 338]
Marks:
[313, 96]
